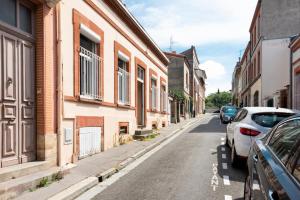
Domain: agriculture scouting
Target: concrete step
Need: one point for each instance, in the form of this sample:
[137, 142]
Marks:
[14, 187]
[143, 132]
[16, 171]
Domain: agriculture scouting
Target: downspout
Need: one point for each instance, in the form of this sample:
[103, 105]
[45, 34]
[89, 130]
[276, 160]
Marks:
[291, 77]
[59, 84]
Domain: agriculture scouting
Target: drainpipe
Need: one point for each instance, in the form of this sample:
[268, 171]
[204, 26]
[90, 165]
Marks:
[59, 83]
[291, 77]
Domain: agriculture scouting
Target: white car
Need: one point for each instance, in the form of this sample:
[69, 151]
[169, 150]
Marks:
[248, 124]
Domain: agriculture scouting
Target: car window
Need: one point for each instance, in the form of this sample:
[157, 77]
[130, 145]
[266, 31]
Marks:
[296, 172]
[240, 115]
[230, 110]
[269, 119]
[284, 139]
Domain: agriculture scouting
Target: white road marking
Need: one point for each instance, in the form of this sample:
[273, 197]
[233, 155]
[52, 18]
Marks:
[222, 139]
[226, 180]
[255, 185]
[224, 156]
[106, 183]
[222, 143]
[224, 166]
[223, 149]
[214, 179]
[228, 197]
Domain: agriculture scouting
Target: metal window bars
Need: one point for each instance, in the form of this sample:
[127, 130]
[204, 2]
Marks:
[90, 83]
[123, 85]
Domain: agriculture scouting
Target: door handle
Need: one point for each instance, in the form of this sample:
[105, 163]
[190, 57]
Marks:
[255, 158]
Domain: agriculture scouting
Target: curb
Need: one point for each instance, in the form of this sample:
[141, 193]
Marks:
[108, 173]
[86, 184]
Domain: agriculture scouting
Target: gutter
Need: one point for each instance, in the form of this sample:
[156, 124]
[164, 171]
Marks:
[291, 78]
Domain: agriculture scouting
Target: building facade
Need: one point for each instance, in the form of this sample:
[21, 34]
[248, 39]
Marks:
[28, 90]
[77, 77]
[114, 81]
[179, 86]
[270, 33]
[197, 82]
[295, 73]
[236, 85]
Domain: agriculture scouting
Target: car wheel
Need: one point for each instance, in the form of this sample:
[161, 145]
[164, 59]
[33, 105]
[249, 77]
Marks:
[234, 157]
[247, 189]
[227, 142]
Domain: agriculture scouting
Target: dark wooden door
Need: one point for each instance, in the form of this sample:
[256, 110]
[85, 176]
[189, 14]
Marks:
[17, 101]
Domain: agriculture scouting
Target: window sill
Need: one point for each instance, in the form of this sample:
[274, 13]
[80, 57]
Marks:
[125, 106]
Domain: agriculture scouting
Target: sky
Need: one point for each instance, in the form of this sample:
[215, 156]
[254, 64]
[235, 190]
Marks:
[219, 29]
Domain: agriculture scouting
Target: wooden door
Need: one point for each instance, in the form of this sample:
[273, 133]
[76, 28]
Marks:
[17, 138]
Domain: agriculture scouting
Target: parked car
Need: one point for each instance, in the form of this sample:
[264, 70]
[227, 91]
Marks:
[274, 163]
[248, 124]
[227, 113]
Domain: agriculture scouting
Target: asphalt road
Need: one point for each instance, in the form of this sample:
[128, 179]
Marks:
[192, 166]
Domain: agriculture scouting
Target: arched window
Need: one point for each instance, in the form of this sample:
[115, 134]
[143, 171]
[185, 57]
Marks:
[255, 99]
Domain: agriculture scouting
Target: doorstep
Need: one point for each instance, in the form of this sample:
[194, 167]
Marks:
[15, 171]
[14, 187]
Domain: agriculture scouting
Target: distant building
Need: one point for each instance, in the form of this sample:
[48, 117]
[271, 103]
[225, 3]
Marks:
[265, 80]
[295, 72]
[237, 85]
[179, 84]
[197, 82]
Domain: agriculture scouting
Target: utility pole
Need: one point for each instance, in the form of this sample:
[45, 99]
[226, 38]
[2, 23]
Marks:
[171, 43]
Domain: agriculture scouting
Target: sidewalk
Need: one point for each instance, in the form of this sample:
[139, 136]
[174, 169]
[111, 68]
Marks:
[106, 163]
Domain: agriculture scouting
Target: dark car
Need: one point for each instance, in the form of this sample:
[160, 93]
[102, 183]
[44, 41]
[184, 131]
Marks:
[274, 163]
[227, 113]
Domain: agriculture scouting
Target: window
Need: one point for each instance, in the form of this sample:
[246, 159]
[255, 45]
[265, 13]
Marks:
[296, 172]
[284, 139]
[90, 64]
[256, 99]
[240, 115]
[123, 128]
[123, 80]
[153, 94]
[297, 91]
[25, 19]
[186, 80]
[8, 12]
[269, 119]
[258, 63]
[11, 9]
[163, 98]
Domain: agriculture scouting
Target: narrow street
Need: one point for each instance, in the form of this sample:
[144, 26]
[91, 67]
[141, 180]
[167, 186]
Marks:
[195, 165]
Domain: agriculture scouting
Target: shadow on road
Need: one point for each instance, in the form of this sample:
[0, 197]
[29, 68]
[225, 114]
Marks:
[212, 126]
[235, 174]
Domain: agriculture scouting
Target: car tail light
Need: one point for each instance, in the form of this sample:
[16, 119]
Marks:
[249, 132]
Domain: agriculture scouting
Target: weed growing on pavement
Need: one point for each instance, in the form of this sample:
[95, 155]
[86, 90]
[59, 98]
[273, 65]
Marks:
[43, 183]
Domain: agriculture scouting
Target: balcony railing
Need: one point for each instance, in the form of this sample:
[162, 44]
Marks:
[154, 98]
[90, 65]
[164, 97]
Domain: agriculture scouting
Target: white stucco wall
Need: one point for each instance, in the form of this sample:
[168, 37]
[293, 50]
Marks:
[112, 116]
[275, 66]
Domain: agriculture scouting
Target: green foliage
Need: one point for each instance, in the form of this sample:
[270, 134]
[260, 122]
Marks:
[177, 94]
[218, 99]
[44, 182]
[57, 176]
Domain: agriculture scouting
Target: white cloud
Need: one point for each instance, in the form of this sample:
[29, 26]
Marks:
[195, 21]
[217, 77]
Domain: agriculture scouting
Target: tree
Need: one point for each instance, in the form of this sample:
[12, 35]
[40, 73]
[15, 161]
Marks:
[218, 99]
